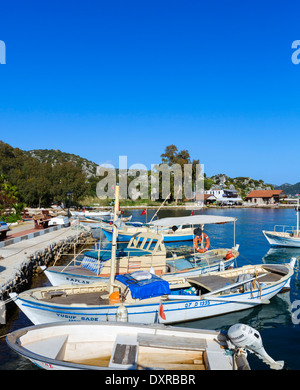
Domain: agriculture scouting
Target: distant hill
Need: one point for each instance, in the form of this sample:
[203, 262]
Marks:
[54, 156]
[289, 189]
[243, 185]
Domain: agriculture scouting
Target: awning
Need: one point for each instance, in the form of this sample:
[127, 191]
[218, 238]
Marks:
[193, 220]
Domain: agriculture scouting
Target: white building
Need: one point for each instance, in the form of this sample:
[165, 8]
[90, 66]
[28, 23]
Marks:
[225, 196]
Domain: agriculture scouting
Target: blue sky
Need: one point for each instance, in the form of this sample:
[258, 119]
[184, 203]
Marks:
[104, 79]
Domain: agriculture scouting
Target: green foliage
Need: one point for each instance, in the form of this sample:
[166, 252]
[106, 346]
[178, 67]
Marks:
[40, 182]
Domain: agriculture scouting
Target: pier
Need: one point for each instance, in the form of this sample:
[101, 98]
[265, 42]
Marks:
[23, 254]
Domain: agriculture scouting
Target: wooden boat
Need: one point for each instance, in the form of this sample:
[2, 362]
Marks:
[282, 235]
[145, 251]
[121, 346]
[138, 296]
[173, 229]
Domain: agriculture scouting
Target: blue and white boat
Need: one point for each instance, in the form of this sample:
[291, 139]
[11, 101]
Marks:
[283, 235]
[173, 229]
[141, 297]
[145, 251]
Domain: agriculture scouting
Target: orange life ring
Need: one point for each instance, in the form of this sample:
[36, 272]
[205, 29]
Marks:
[197, 242]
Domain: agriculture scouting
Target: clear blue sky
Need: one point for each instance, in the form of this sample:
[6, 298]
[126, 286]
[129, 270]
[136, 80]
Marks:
[107, 78]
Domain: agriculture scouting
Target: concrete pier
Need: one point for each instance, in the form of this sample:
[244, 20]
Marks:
[20, 259]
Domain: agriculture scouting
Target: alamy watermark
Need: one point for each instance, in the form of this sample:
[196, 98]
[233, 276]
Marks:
[296, 54]
[2, 53]
[137, 181]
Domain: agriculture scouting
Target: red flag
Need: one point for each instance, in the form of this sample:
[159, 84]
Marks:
[161, 311]
[144, 212]
[192, 213]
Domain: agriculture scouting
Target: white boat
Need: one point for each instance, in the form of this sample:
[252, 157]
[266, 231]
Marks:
[173, 229]
[138, 296]
[288, 236]
[120, 346]
[145, 251]
[59, 220]
[86, 213]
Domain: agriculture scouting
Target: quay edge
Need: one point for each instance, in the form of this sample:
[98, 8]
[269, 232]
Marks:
[20, 262]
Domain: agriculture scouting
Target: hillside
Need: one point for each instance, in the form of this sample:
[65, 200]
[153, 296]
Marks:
[243, 185]
[289, 189]
[53, 156]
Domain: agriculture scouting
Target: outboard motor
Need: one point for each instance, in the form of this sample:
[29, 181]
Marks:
[243, 336]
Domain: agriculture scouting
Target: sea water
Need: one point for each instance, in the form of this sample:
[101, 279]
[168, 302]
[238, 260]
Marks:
[277, 322]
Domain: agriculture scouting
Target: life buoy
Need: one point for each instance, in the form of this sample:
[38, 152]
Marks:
[197, 242]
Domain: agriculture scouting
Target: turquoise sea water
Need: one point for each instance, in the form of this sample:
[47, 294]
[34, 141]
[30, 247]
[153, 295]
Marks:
[279, 330]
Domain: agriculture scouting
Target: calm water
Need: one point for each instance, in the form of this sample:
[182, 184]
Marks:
[281, 337]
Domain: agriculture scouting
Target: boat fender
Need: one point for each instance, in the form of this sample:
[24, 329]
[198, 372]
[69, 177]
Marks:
[229, 255]
[114, 298]
[122, 314]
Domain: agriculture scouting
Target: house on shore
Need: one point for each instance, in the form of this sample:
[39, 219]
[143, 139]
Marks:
[204, 199]
[265, 196]
[224, 196]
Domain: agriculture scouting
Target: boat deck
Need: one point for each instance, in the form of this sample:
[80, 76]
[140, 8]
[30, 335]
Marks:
[91, 298]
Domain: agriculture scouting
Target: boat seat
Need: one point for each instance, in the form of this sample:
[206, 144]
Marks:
[211, 282]
[276, 270]
[171, 342]
[125, 351]
[52, 347]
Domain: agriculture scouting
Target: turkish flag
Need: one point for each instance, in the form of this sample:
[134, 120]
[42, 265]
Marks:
[161, 312]
[144, 212]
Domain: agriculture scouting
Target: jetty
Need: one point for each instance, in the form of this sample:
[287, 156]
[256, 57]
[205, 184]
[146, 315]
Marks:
[23, 254]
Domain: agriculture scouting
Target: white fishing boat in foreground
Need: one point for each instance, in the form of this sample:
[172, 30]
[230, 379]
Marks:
[139, 297]
[145, 251]
[288, 236]
[120, 346]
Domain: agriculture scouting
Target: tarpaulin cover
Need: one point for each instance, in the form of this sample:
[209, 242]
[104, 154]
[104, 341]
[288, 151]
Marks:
[147, 288]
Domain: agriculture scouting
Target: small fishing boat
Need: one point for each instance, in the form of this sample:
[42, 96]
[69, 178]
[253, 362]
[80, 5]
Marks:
[283, 235]
[145, 251]
[173, 229]
[121, 346]
[138, 296]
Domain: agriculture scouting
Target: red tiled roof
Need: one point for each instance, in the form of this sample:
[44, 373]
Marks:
[204, 196]
[264, 193]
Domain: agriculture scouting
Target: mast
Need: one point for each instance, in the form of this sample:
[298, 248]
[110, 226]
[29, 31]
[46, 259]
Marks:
[297, 211]
[114, 242]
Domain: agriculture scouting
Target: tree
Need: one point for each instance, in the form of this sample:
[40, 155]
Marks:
[8, 197]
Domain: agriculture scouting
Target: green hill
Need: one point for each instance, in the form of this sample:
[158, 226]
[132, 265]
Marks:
[54, 156]
[289, 189]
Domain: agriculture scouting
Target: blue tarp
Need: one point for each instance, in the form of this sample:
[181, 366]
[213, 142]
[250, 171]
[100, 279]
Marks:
[147, 288]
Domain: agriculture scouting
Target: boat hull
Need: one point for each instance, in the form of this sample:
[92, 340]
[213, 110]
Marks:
[166, 237]
[277, 239]
[57, 278]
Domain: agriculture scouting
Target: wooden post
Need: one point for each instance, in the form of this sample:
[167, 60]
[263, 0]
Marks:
[114, 242]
